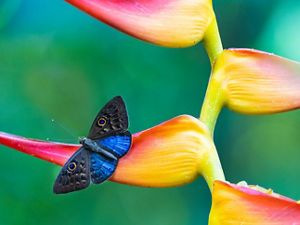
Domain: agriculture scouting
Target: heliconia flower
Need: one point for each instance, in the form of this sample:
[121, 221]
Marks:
[234, 204]
[171, 23]
[255, 82]
[170, 154]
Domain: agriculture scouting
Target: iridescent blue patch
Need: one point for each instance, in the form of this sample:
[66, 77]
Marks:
[119, 145]
[101, 168]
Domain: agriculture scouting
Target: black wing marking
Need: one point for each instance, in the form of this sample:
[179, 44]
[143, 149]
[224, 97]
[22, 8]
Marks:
[75, 174]
[112, 119]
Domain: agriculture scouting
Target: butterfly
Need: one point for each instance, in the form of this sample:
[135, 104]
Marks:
[96, 160]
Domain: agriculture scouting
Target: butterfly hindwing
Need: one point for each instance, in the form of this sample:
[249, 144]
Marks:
[75, 174]
[112, 119]
[118, 144]
[101, 167]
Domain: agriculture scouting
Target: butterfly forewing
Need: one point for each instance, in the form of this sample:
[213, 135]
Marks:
[75, 174]
[118, 144]
[111, 120]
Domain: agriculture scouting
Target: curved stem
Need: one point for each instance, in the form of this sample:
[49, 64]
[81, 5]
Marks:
[212, 105]
[212, 170]
[212, 41]
[213, 101]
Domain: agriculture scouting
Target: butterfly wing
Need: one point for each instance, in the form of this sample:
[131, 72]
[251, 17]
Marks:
[112, 119]
[109, 129]
[75, 174]
[101, 167]
[118, 144]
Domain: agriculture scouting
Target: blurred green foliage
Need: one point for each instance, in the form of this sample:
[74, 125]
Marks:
[57, 63]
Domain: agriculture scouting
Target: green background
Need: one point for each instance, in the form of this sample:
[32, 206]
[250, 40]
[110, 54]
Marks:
[57, 63]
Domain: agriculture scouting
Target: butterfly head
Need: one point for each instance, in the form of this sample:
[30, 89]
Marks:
[82, 140]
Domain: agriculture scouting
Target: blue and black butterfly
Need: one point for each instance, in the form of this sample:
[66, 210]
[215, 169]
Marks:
[97, 159]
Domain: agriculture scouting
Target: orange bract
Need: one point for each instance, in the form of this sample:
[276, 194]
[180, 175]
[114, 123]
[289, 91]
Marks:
[255, 82]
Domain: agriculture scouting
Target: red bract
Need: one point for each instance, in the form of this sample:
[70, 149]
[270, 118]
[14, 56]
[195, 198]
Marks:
[57, 153]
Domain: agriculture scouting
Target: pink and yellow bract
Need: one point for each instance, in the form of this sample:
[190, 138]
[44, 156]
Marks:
[255, 82]
[170, 154]
[170, 23]
[235, 205]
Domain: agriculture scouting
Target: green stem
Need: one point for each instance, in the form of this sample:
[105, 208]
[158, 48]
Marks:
[212, 42]
[212, 106]
[212, 171]
[213, 101]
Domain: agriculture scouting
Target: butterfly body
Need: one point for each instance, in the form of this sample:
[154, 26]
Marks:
[97, 159]
[95, 147]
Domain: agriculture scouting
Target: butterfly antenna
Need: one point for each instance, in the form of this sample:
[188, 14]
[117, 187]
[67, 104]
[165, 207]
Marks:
[66, 130]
